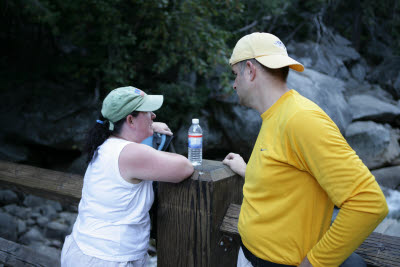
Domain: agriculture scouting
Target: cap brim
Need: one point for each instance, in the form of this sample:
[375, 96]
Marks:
[151, 103]
[280, 61]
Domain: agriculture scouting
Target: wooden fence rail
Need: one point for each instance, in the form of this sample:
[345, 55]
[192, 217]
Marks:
[196, 219]
[16, 255]
[64, 187]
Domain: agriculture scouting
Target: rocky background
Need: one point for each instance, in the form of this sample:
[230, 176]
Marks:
[48, 131]
[60, 58]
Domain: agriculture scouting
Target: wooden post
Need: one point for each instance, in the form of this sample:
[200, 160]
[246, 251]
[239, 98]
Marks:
[189, 216]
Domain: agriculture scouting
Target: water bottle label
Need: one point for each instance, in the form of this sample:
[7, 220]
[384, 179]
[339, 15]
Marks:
[195, 141]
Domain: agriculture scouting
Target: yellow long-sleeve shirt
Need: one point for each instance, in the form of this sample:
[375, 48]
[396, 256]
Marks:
[300, 167]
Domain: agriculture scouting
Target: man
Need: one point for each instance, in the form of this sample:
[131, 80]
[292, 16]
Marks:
[300, 167]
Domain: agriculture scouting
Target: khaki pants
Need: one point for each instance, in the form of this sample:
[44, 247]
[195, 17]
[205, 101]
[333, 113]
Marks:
[72, 256]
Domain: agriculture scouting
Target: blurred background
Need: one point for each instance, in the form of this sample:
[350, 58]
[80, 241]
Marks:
[60, 58]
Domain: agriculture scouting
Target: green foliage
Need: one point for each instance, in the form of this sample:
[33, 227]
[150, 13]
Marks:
[156, 44]
[179, 102]
[382, 20]
[117, 41]
[366, 21]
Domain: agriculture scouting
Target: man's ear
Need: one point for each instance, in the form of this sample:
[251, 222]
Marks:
[252, 70]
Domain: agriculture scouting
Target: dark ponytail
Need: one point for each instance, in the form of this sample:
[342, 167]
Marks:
[99, 133]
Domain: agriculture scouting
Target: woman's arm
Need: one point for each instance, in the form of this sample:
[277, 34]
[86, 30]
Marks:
[138, 161]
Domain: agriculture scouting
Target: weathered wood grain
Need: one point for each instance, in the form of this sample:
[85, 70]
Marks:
[13, 254]
[377, 250]
[231, 219]
[189, 216]
[64, 187]
[380, 250]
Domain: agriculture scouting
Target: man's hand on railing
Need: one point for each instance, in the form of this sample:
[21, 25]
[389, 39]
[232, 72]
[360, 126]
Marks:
[236, 163]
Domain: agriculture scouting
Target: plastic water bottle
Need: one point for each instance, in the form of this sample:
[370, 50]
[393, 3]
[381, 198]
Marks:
[195, 143]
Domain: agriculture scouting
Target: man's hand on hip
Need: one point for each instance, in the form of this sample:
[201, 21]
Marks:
[305, 263]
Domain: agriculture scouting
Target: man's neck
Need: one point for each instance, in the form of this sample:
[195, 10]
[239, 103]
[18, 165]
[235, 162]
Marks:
[268, 94]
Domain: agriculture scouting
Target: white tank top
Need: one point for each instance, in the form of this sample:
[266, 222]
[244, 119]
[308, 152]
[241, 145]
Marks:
[113, 222]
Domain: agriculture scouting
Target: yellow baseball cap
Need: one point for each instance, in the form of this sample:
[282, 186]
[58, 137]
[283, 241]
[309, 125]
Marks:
[266, 48]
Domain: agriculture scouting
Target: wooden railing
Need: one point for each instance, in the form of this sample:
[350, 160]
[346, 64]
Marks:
[196, 219]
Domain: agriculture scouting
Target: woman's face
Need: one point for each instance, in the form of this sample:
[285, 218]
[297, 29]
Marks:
[144, 123]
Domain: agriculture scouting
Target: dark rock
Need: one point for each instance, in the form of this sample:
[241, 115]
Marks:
[379, 49]
[72, 208]
[57, 115]
[46, 211]
[358, 72]
[34, 201]
[30, 222]
[396, 84]
[354, 88]
[388, 177]
[389, 226]
[329, 56]
[17, 211]
[13, 151]
[8, 227]
[78, 166]
[8, 197]
[341, 48]
[343, 73]
[325, 91]
[367, 107]
[374, 143]
[68, 218]
[11, 209]
[35, 215]
[56, 243]
[240, 127]
[33, 235]
[42, 221]
[387, 74]
[21, 227]
[56, 230]
[54, 204]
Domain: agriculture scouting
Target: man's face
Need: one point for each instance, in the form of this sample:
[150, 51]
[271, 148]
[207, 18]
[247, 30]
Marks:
[240, 85]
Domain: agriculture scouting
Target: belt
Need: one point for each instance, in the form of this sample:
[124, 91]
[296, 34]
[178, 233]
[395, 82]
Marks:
[257, 262]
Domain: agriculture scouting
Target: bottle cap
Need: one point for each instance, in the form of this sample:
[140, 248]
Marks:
[195, 121]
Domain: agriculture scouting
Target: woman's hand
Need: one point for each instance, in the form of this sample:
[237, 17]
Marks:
[161, 128]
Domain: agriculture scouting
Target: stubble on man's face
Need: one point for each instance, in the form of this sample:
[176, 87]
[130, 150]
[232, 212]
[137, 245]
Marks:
[239, 84]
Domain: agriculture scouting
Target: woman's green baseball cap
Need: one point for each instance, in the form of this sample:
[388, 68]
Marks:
[121, 101]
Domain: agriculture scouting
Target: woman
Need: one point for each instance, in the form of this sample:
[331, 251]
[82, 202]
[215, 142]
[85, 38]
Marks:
[113, 223]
